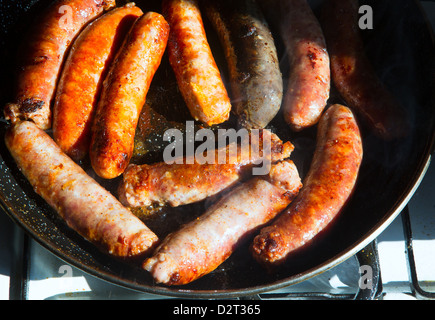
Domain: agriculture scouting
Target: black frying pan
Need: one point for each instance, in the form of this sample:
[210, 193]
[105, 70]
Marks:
[401, 49]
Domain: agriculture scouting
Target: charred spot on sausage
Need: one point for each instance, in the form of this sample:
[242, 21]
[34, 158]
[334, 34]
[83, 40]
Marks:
[39, 59]
[312, 56]
[175, 277]
[31, 105]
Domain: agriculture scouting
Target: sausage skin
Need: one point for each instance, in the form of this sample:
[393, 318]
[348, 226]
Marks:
[85, 206]
[255, 76]
[190, 56]
[328, 185]
[202, 245]
[81, 79]
[353, 74]
[124, 94]
[179, 184]
[309, 79]
[41, 56]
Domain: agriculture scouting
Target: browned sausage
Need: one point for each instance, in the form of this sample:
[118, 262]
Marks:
[85, 206]
[42, 54]
[353, 74]
[202, 245]
[309, 80]
[178, 184]
[124, 94]
[83, 73]
[328, 185]
[190, 56]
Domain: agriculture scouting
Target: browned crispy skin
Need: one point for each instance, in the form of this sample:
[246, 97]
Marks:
[179, 184]
[42, 54]
[83, 73]
[202, 245]
[190, 56]
[124, 94]
[174, 184]
[327, 187]
[309, 80]
[353, 74]
[85, 206]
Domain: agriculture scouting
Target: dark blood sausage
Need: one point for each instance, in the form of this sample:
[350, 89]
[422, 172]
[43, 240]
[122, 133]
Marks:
[86, 207]
[309, 79]
[328, 185]
[202, 245]
[182, 183]
[190, 56]
[124, 93]
[255, 76]
[353, 74]
[41, 56]
[81, 79]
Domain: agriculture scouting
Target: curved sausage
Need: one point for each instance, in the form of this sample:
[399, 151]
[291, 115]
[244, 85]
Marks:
[354, 76]
[190, 56]
[309, 80]
[179, 184]
[85, 206]
[255, 76]
[328, 185]
[202, 245]
[42, 54]
[81, 79]
[124, 93]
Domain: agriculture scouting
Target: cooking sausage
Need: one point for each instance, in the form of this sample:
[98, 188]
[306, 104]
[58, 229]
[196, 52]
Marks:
[41, 57]
[329, 183]
[353, 74]
[190, 56]
[309, 79]
[255, 76]
[124, 93]
[178, 184]
[86, 206]
[80, 83]
[202, 245]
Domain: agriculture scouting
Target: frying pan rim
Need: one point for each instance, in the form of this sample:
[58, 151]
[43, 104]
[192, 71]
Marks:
[232, 293]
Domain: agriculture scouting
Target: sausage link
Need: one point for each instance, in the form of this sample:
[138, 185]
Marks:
[80, 83]
[309, 80]
[353, 74]
[179, 184]
[202, 245]
[41, 57]
[85, 206]
[255, 76]
[328, 185]
[124, 93]
[190, 56]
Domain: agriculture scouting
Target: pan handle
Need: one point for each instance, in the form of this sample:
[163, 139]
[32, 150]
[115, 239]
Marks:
[370, 288]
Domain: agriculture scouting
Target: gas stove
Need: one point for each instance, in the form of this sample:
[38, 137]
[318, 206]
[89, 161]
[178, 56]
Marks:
[401, 262]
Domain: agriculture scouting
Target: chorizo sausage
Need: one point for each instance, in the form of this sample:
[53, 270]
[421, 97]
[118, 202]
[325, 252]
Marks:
[42, 54]
[124, 94]
[329, 183]
[83, 73]
[190, 56]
